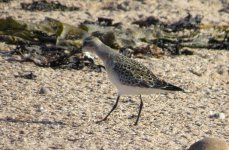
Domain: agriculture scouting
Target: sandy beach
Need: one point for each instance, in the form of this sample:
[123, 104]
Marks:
[64, 117]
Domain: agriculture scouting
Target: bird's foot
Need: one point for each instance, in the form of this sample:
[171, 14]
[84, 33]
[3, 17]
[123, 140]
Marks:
[99, 121]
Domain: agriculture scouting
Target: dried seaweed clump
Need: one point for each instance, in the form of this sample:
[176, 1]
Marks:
[5, 1]
[102, 21]
[151, 20]
[188, 22]
[186, 32]
[43, 5]
[54, 56]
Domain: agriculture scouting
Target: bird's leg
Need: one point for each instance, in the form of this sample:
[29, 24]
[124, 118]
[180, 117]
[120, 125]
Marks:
[113, 108]
[140, 109]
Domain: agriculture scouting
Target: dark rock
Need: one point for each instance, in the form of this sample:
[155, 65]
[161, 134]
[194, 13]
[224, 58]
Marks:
[105, 21]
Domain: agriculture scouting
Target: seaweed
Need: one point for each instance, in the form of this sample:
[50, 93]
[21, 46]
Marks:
[151, 20]
[171, 45]
[55, 56]
[219, 44]
[49, 31]
[5, 1]
[51, 43]
[188, 22]
[102, 21]
[43, 5]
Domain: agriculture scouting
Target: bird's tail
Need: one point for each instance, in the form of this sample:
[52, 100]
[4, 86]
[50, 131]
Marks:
[171, 87]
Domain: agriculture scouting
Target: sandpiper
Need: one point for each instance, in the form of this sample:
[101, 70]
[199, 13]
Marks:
[129, 76]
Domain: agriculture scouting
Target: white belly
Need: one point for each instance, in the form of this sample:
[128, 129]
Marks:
[130, 90]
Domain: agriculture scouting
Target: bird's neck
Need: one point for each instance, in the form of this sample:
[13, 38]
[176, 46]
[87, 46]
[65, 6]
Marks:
[104, 52]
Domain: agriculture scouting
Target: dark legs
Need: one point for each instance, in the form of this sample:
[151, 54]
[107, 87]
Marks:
[115, 105]
[140, 109]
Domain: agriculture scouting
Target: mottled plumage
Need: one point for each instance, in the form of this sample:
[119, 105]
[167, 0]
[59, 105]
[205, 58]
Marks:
[132, 73]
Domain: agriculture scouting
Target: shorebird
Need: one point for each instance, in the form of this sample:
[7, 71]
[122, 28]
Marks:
[129, 76]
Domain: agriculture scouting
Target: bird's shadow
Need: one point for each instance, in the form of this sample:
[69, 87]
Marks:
[44, 122]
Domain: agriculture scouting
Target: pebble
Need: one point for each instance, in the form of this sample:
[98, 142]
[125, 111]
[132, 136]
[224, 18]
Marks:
[221, 69]
[40, 109]
[43, 90]
[210, 144]
[217, 115]
[222, 116]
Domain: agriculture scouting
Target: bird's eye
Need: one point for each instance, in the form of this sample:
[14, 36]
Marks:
[87, 41]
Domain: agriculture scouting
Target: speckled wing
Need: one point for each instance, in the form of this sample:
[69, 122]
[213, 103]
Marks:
[132, 73]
